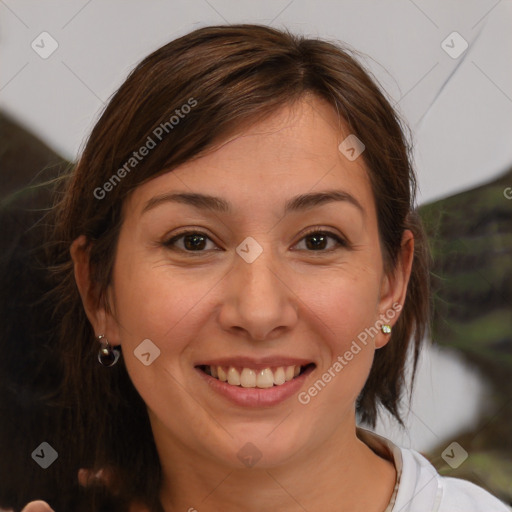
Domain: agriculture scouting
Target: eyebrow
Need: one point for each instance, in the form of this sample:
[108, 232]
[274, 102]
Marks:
[298, 203]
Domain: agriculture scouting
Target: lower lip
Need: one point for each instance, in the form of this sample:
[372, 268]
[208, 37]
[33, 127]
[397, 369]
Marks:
[257, 397]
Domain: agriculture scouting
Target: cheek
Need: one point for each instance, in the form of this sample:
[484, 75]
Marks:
[155, 304]
[347, 301]
[347, 308]
[165, 304]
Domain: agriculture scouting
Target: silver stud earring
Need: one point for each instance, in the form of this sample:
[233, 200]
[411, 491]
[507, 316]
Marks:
[386, 329]
[107, 355]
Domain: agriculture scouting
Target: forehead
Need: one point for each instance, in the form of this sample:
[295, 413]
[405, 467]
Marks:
[293, 151]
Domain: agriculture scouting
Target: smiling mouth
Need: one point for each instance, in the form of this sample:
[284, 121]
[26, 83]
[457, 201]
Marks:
[250, 378]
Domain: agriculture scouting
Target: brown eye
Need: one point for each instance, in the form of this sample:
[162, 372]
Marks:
[319, 240]
[191, 241]
[196, 241]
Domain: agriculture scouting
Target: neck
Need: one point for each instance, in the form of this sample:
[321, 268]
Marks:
[336, 475]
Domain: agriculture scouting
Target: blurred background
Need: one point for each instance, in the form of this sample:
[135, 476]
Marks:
[443, 65]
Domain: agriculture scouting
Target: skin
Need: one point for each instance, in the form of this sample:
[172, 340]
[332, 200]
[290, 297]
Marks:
[292, 300]
[37, 506]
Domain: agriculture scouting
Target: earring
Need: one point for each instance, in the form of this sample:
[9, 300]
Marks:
[107, 355]
[386, 329]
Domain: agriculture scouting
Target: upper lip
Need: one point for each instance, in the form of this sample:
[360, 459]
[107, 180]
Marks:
[256, 364]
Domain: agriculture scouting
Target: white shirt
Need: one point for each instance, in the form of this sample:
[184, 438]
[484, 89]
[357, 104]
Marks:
[420, 488]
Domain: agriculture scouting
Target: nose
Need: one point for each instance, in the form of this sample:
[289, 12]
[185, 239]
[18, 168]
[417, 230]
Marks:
[258, 301]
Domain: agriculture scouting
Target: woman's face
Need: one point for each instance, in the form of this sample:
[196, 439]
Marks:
[255, 289]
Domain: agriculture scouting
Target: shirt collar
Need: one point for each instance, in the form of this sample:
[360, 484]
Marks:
[387, 450]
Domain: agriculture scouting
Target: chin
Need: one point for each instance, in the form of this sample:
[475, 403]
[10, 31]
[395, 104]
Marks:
[264, 446]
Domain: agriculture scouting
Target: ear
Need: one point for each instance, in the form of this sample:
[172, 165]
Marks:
[101, 320]
[394, 287]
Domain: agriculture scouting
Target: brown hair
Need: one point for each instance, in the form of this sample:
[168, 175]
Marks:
[229, 76]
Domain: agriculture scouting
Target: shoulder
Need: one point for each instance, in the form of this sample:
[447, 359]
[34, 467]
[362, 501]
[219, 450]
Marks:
[465, 496]
[436, 493]
[422, 489]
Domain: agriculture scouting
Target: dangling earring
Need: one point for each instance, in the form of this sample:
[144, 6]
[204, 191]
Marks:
[107, 355]
[386, 329]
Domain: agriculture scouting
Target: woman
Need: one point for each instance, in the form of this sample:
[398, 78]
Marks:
[241, 226]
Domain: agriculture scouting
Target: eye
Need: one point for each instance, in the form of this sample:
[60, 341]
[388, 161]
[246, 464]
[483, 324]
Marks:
[197, 241]
[192, 241]
[318, 239]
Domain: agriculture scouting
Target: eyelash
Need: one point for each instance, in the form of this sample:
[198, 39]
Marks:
[342, 243]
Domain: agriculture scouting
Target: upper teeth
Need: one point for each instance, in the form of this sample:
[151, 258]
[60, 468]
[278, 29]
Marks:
[249, 378]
